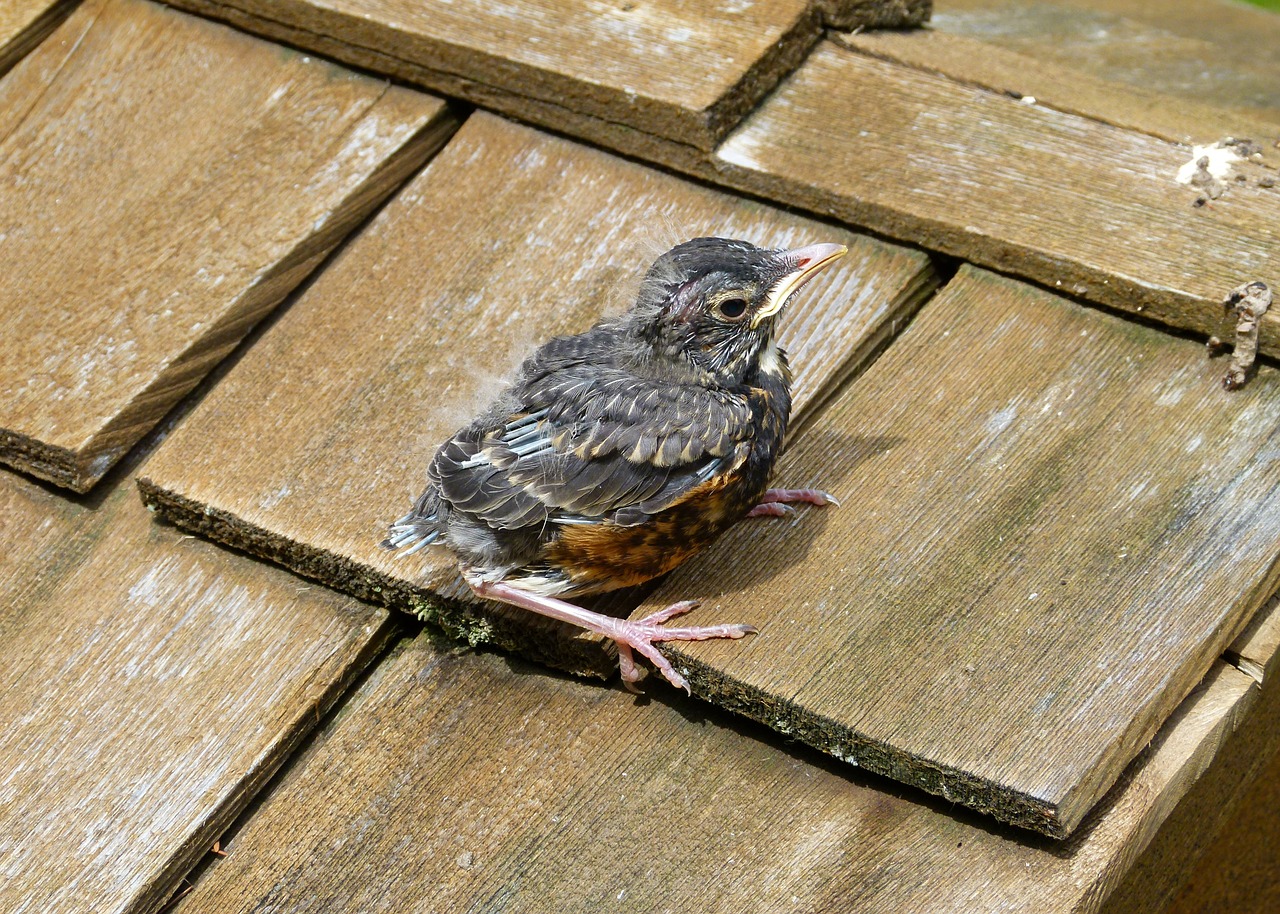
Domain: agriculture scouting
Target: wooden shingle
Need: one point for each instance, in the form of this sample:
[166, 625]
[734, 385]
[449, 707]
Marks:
[1070, 202]
[624, 74]
[972, 56]
[509, 237]
[1238, 871]
[1053, 522]
[1216, 54]
[25, 23]
[150, 684]
[461, 782]
[1035, 599]
[875, 14]
[150, 215]
[683, 72]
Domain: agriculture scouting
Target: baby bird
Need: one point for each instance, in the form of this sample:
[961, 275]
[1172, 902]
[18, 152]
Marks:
[617, 454]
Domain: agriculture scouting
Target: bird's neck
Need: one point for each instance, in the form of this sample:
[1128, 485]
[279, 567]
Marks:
[771, 377]
[772, 363]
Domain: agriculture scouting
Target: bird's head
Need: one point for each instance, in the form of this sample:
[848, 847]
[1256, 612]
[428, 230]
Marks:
[713, 302]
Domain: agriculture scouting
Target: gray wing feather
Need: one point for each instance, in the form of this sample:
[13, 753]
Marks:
[589, 443]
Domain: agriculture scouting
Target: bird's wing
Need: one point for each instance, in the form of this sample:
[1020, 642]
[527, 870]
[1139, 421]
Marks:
[586, 443]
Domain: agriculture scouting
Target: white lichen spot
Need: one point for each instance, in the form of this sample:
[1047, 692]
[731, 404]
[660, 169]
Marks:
[102, 463]
[531, 159]
[740, 149]
[145, 589]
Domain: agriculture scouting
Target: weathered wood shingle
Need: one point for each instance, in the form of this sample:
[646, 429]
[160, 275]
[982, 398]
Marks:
[150, 684]
[506, 239]
[1053, 522]
[1216, 53]
[150, 215]
[462, 782]
[625, 74]
[25, 23]
[1068, 201]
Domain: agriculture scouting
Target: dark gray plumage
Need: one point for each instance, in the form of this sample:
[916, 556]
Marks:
[616, 453]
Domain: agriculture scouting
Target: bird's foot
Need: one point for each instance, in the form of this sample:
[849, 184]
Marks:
[777, 502]
[771, 509]
[642, 634]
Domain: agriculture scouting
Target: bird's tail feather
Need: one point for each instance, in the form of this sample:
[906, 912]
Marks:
[419, 528]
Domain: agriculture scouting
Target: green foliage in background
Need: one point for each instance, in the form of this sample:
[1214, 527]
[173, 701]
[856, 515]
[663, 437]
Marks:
[1266, 4]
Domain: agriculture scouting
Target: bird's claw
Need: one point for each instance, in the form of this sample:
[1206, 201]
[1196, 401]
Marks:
[675, 609]
[771, 509]
[643, 634]
[777, 502]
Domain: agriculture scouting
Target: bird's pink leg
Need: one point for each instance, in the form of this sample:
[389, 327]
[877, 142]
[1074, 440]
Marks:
[640, 635]
[776, 502]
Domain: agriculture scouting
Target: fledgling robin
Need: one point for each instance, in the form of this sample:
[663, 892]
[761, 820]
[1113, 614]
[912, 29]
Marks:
[618, 453]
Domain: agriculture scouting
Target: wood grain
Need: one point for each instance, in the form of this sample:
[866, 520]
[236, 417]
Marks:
[412, 329]
[461, 782]
[651, 77]
[25, 23]
[1077, 205]
[1054, 520]
[973, 57]
[682, 71]
[1185, 855]
[153, 214]
[1218, 53]
[1257, 648]
[1240, 871]
[150, 684]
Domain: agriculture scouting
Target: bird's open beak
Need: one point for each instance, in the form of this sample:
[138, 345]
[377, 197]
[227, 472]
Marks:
[806, 263]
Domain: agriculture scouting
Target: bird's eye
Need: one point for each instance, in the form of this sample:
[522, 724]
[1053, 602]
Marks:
[732, 309]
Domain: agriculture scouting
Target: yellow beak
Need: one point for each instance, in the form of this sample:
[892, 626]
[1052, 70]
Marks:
[806, 262]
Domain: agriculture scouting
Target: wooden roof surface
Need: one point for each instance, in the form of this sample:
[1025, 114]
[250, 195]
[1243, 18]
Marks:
[1044, 595]
[1022, 187]
[25, 23]
[1024, 589]
[135, 250]
[679, 72]
[151, 683]
[367, 372]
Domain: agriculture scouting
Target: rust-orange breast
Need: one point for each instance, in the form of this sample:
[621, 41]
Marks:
[607, 556]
